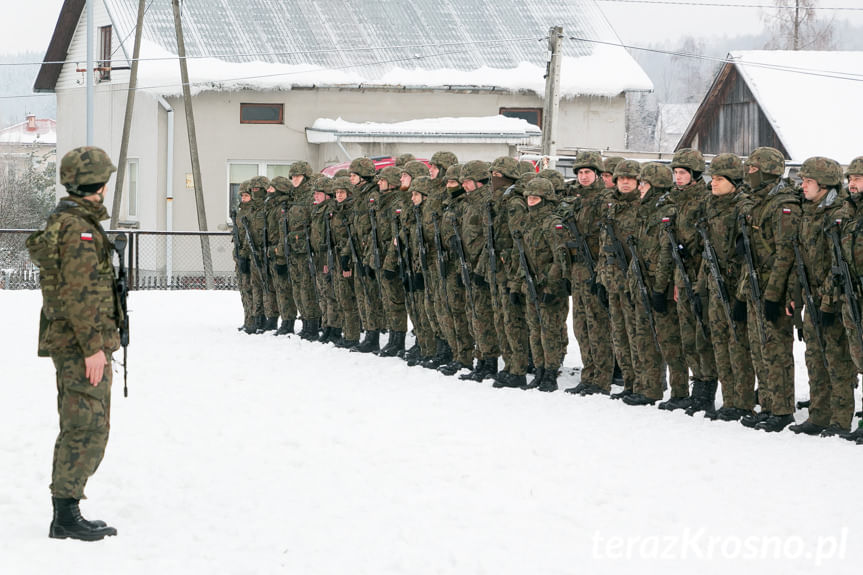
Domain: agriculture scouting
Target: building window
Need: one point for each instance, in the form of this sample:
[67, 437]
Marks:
[132, 189]
[240, 171]
[262, 113]
[104, 53]
[532, 115]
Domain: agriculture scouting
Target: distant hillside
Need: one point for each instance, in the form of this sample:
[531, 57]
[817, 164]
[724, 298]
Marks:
[17, 81]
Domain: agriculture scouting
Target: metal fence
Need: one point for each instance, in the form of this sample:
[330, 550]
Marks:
[155, 260]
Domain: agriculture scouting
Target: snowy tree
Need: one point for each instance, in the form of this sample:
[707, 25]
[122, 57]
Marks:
[26, 199]
[794, 25]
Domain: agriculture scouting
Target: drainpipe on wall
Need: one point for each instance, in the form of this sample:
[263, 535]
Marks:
[169, 190]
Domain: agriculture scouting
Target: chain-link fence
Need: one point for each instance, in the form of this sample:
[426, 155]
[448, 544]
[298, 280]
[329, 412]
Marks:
[155, 260]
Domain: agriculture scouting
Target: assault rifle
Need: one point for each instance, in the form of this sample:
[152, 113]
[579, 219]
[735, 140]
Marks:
[122, 291]
[528, 278]
[642, 290]
[583, 248]
[265, 256]
[283, 228]
[716, 274]
[256, 261]
[423, 254]
[358, 265]
[330, 259]
[405, 270]
[236, 233]
[617, 247]
[492, 259]
[694, 303]
[811, 309]
[754, 287]
[376, 252]
[313, 270]
[465, 272]
[847, 283]
[441, 263]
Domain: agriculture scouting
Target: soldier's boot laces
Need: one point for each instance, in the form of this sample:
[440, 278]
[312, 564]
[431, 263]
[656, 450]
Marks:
[370, 344]
[548, 383]
[395, 344]
[539, 373]
[314, 325]
[68, 523]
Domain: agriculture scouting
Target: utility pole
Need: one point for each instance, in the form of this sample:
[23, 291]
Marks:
[89, 75]
[193, 148]
[796, 24]
[552, 99]
[127, 122]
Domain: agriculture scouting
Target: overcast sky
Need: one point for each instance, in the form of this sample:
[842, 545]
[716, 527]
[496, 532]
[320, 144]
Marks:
[28, 25]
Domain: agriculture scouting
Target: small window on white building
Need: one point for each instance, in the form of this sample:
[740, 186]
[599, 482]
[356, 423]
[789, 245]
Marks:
[240, 171]
[104, 53]
[132, 189]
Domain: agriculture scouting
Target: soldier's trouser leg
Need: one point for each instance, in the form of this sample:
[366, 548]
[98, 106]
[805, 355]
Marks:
[257, 293]
[395, 314]
[362, 300]
[668, 330]
[285, 297]
[422, 327]
[374, 307]
[85, 421]
[244, 283]
[327, 302]
[697, 349]
[271, 305]
[854, 344]
[304, 291]
[432, 285]
[597, 352]
[534, 333]
[500, 315]
[831, 391]
[483, 323]
[555, 337]
[348, 307]
[775, 361]
[463, 346]
[622, 335]
[651, 367]
[580, 331]
[733, 359]
[515, 327]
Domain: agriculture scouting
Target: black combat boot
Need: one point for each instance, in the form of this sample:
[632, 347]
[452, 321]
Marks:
[507, 379]
[638, 399]
[593, 389]
[258, 326]
[578, 389]
[673, 403]
[286, 327]
[314, 326]
[807, 428]
[335, 335]
[442, 355]
[250, 328]
[370, 344]
[453, 367]
[395, 344]
[268, 324]
[621, 394]
[549, 380]
[68, 523]
[617, 375]
[855, 434]
[326, 334]
[485, 369]
[539, 373]
[775, 423]
[344, 343]
[703, 397]
[752, 419]
[412, 354]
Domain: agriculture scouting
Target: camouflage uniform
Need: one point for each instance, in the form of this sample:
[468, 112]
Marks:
[79, 319]
[831, 388]
[243, 264]
[321, 220]
[262, 292]
[345, 295]
[733, 356]
[548, 259]
[851, 216]
[417, 238]
[298, 223]
[279, 203]
[772, 216]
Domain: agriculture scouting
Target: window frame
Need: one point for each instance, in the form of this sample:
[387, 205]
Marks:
[128, 191]
[105, 41]
[262, 171]
[502, 111]
[280, 106]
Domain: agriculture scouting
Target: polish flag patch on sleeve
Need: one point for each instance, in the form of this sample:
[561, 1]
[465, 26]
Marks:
[86, 236]
[559, 226]
[786, 210]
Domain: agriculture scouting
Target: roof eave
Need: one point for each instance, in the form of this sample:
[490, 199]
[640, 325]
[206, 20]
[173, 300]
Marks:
[64, 30]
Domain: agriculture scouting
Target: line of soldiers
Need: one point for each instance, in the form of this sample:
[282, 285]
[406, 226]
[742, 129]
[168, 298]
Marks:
[670, 283]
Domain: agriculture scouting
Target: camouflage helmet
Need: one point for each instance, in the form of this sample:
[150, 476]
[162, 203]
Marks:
[300, 168]
[422, 185]
[281, 184]
[553, 176]
[453, 173]
[261, 182]
[245, 188]
[526, 179]
[85, 166]
[610, 163]
[587, 159]
[827, 172]
[363, 167]
[416, 169]
[342, 172]
[342, 183]
[475, 170]
[729, 166]
[526, 167]
[855, 168]
[391, 175]
[324, 185]
[688, 158]
[767, 160]
[404, 159]
[657, 175]
[539, 187]
[443, 160]
[627, 169]
[508, 167]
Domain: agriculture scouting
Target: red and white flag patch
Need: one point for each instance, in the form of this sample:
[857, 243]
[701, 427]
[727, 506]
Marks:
[786, 210]
[87, 236]
[559, 226]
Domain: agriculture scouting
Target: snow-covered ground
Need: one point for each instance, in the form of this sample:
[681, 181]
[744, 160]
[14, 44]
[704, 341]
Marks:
[245, 454]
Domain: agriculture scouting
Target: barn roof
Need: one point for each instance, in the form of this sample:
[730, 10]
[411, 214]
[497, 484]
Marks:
[280, 44]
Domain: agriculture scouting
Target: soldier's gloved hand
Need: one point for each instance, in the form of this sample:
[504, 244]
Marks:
[738, 312]
[740, 247]
[245, 265]
[548, 297]
[389, 275]
[345, 262]
[516, 234]
[478, 280]
[282, 269]
[370, 272]
[828, 318]
[771, 310]
[516, 298]
[419, 282]
[659, 302]
[602, 294]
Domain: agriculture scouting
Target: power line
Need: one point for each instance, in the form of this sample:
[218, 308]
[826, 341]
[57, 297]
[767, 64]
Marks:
[723, 5]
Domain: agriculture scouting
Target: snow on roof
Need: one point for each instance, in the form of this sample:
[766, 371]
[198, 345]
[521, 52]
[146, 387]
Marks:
[484, 128]
[408, 43]
[44, 132]
[812, 99]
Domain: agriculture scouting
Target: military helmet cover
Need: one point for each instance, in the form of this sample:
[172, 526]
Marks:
[627, 169]
[245, 188]
[300, 168]
[555, 177]
[610, 163]
[475, 170]
[657, 175]
[261, 182]
[729, 166]
[391, 175]
[855, 168]
[453, 173]
[343, 172]
[281, 184]
[84, 166]
[539, 187]
[342, 183]
[444, 159]
[422, 185]
[767, 160]
[363, 167]
[588, 159]
[508, 167]
[404, 159]
[416, 169]
[688, 158]
[826, 172]
[526, 167]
